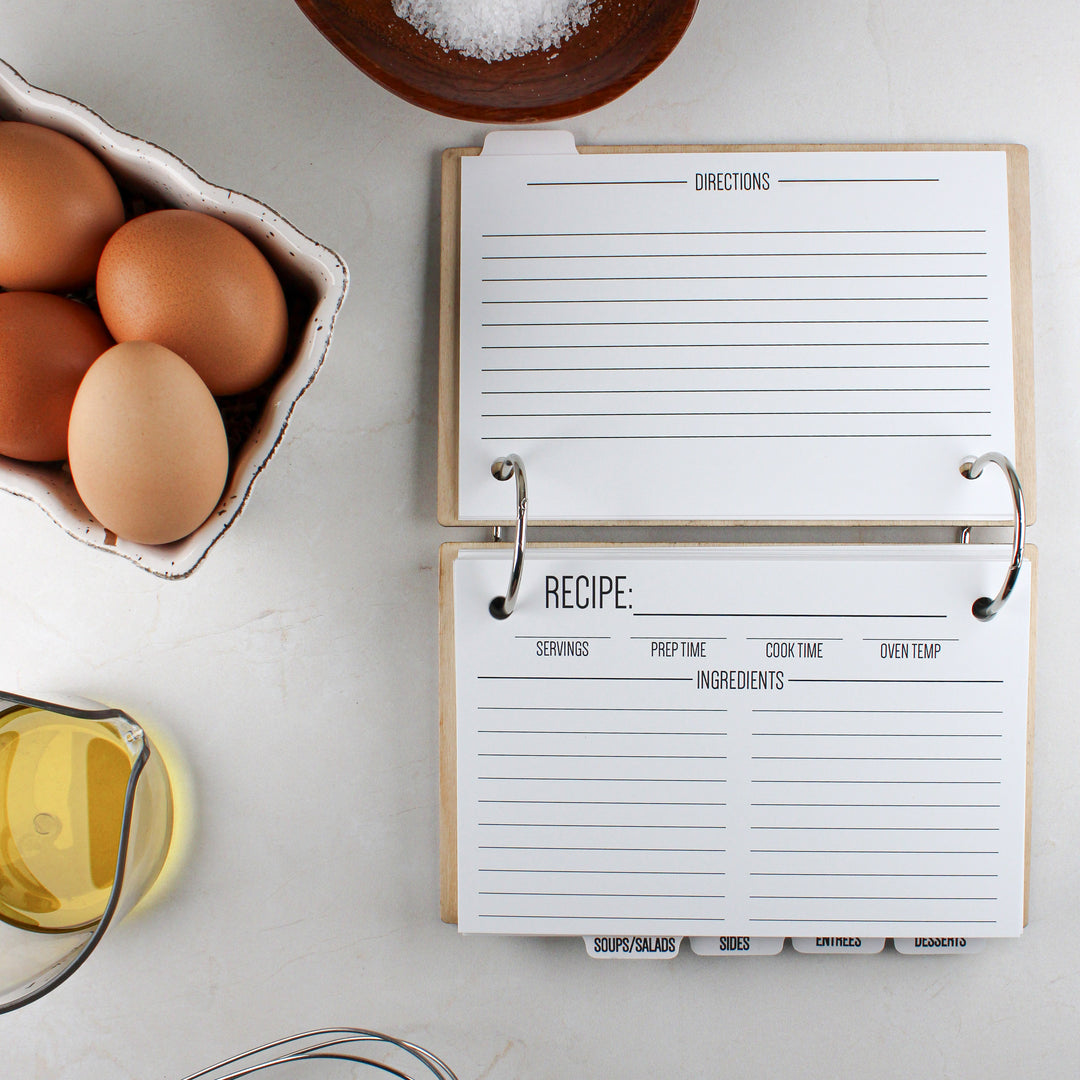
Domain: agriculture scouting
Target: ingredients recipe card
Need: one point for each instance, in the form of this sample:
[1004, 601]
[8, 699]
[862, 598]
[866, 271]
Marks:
[786, 741]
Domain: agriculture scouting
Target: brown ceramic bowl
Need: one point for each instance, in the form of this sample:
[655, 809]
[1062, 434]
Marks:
[624, 41]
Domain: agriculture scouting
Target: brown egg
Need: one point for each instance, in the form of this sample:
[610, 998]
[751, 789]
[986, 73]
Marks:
[58, 207]
[47, 343]
[200, 287]
[146, 444]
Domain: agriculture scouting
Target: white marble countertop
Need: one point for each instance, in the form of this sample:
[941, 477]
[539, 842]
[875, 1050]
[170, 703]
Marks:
[296, 671]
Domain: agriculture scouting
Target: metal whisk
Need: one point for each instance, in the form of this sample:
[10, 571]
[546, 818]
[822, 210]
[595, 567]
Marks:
[331, 1044]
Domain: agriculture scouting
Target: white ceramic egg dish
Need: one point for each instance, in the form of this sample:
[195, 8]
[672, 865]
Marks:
[315, 282]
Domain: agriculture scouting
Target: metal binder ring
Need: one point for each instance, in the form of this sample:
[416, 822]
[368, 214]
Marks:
[984, 608]
[502, 469]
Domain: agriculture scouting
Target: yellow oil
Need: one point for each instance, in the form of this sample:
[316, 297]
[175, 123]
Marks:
[62, 785]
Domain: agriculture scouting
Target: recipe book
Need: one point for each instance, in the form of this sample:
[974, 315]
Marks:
[799, 740]
[734, 334]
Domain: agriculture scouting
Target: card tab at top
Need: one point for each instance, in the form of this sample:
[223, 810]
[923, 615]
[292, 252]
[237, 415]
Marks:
[759, 335]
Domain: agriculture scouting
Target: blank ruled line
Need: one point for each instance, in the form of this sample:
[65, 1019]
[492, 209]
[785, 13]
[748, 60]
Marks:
[635, 920]
[737, 255]
[667, 368]
[865, 851]
[605, 731]
[571, 847]
[784, 615]
[587, 825]
[878, 734]
[862, 180]
[930, 640]
[902, 712]
[635, 757]
[941, 682]
[771, 638]
[902, 806]
[657, 873]
[593, 708]
[739, 300]
[610, 779]
[737, 412]
[873, 782]
[741, 232]
[621, 895]
[611, 391]
[740, 322]
[872, 828]
[756, 345]
[854, 921]
[740, 277]
[875, 757]
[827, 874]
[763, 435]
[872, 896]
[619, 734]
[598, 183]
[599, 802]
[562, 637]
[652, 637]
[593, 678]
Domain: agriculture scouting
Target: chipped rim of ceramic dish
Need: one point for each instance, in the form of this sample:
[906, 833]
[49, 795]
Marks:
[146, 167]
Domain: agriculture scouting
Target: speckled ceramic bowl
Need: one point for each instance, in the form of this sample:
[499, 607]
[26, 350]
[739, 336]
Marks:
[315, 282]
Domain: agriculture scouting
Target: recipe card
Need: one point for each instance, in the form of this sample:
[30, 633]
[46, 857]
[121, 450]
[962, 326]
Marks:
[789, 741]
[765, 335]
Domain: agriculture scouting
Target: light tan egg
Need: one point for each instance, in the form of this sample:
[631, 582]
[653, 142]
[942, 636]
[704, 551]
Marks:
[47, 343]
[146, 444]
[197, 285]
[58, 207]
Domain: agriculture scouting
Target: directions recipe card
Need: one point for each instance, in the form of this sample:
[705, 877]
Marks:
[789, 741]
[753, 335]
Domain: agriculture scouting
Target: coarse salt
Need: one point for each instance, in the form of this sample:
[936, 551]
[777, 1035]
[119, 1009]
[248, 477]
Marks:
[495, 29]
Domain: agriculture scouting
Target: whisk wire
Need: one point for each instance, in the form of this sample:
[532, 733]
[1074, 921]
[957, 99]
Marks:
[340, 1037]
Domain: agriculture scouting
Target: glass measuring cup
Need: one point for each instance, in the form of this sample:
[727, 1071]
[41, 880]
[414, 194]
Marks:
[86, 821]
